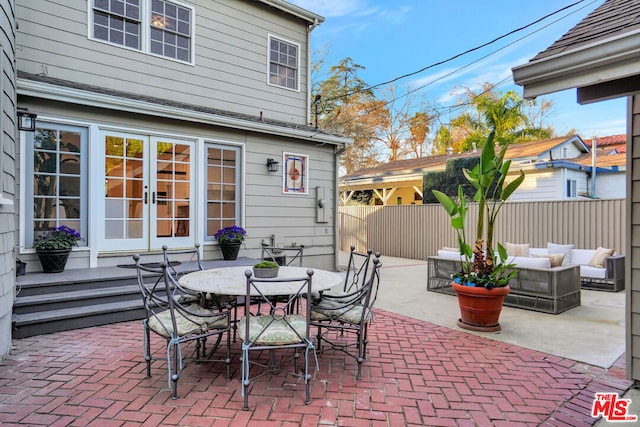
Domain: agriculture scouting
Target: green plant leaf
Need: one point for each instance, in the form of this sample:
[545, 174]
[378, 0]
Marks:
[512, 186]
[449, 205]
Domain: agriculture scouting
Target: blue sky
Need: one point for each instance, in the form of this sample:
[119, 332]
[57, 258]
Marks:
[391, 38]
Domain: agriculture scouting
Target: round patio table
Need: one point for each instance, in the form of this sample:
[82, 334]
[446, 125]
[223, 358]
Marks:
[232, 280]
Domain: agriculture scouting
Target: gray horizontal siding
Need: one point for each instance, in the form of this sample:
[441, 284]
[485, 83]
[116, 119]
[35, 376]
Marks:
[230, 62]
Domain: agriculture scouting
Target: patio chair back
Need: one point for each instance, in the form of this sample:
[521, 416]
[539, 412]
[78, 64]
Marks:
[173, 313]
[342, 319]
[283, 256]
[277, 326]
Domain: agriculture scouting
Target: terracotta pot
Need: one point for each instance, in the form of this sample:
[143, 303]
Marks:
[479, 307]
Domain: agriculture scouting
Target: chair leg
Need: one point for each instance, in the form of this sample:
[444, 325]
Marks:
[176, 369]
[245, 380]
[147, 349]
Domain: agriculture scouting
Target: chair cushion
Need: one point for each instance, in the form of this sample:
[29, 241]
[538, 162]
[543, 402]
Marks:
[455, 256]
[335, 309]
[593, 272]
[555, 259]
[279, 332]
[187, 324]
[598, 258]
[529, 262]
[514, 249]
[561, 249]
[582, 256]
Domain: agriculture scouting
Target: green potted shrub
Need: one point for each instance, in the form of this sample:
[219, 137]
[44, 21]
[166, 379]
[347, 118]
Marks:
[266, 269]
[485, 271]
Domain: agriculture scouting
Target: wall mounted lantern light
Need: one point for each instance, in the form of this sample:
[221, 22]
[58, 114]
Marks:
[26, 120]
[273, 165]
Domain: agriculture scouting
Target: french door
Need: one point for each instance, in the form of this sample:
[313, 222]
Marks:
[148, 192]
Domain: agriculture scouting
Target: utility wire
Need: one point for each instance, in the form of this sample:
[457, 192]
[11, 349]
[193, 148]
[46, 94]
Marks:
[459, 54]
[493, 86]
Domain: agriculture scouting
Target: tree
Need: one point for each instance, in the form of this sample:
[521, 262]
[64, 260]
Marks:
[512, 119]
[339, 106]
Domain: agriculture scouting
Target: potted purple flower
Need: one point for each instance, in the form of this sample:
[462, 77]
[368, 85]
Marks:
[53, 247]
[230, 239]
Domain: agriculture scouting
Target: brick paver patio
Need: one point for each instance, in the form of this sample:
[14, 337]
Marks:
[418, 374]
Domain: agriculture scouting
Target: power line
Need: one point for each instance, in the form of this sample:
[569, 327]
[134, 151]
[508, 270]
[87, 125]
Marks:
[493, 86]
[459, 54]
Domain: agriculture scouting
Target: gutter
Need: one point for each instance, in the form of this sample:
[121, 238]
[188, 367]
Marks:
[293, 10]
[336, 217]
[77, 96]
[309, 30]
[601, 61]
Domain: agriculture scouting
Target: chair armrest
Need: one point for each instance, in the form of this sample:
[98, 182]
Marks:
[615, 266]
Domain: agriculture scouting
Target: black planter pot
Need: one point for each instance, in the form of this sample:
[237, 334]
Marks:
[53, 260]
[230, 250]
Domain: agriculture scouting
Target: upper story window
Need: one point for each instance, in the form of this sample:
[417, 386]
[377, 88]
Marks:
[160, 27]
[283, 63]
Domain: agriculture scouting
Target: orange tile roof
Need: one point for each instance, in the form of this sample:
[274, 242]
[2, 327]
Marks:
[620, 139]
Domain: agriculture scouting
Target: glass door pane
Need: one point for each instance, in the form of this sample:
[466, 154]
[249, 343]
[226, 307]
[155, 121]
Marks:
[173, 194]
[126, 192]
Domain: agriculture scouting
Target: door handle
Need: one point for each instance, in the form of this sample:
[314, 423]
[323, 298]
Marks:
[153, 198]
[146, 196]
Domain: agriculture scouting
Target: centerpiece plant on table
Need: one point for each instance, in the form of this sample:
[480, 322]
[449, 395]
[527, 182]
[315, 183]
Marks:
[485, 269]
[230, 239]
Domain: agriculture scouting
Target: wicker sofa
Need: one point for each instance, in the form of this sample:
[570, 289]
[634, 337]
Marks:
[610, 277]
[537, 286]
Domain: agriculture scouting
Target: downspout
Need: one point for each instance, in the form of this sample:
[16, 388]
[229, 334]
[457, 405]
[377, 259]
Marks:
[336, 217]
[309, 29]
[594, 166]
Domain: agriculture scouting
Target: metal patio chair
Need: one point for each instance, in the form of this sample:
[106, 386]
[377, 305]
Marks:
[280, 255]
[276, 327]
[342, 319]
[179, 320]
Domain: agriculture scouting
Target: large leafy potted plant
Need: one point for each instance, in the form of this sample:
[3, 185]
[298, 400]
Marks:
[53, 247]
[483, 281]
[230, 239]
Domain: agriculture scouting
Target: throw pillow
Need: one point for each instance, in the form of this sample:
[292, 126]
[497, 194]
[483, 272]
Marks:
[561, 249]
[555, 259]
[599, 257]
[514, 249]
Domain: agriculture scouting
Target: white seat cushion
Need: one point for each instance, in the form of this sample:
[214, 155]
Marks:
[455, 256]
[527, 262]
[593, 272]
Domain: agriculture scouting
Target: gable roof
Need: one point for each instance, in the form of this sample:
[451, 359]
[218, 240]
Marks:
[602, 48]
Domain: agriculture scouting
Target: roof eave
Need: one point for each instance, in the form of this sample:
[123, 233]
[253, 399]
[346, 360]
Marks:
[71, 95]
[601, 61]
[294, 10]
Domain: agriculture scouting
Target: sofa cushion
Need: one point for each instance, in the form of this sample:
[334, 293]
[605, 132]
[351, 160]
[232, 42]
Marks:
[593, 272]
[598, 258]
[515, 249]
[582, 256]
[538, 251]
[450, 249]
[554, 248]
[528, 262]
[555, 259]
[449, 254]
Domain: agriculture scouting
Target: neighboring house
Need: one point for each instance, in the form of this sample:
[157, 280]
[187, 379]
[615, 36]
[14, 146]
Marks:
[156, 121]
[599, 57]
[8, 173]
[556, 169]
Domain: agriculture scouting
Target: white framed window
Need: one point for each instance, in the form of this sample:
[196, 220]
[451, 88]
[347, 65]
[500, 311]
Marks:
[223, 188]
[572, 191]
[157, 27]
[284, 60]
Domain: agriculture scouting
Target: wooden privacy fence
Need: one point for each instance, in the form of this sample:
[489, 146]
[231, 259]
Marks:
[418, 231]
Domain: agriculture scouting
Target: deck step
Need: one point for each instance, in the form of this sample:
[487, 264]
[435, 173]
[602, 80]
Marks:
[64, 319]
